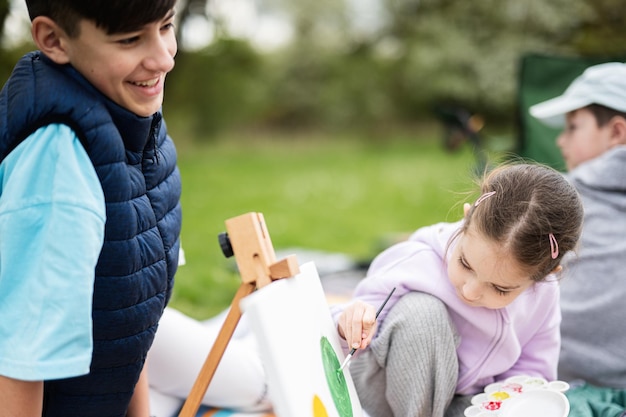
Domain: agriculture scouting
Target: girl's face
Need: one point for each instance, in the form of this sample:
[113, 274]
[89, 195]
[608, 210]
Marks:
[483, 274]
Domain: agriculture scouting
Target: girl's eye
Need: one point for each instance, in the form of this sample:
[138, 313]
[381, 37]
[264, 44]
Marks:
[168, 26]
[500, 290]
[464, 264]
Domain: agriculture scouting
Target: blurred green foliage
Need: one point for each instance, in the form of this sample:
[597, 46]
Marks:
[337, 74]
[424, 54]
[218, 87]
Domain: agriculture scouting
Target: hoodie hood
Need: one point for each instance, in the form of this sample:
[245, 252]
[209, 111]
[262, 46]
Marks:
[604, 176]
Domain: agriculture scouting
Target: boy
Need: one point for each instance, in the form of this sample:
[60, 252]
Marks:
[89, 208]
[593, 113]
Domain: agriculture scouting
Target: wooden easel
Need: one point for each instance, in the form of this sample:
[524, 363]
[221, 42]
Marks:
[248, 239]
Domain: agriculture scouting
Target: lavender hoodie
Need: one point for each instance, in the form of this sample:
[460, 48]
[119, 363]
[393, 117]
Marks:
[521, 339]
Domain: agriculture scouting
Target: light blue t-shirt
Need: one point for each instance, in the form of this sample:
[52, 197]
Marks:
[52, 217]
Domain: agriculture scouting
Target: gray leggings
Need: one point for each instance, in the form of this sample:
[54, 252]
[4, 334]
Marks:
[411, 367]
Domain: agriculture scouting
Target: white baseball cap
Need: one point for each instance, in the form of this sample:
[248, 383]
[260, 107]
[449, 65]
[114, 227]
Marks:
[603, 84]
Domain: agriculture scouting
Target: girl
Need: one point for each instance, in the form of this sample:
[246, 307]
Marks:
[476, 301]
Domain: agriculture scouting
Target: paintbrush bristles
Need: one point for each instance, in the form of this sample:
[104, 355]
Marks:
[346, 360]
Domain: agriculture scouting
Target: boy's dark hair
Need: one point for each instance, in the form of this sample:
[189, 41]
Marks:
[604, 114]
[531, 205]
[113, 16]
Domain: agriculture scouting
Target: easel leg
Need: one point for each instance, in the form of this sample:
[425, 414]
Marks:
[248, 239]
[192, 404]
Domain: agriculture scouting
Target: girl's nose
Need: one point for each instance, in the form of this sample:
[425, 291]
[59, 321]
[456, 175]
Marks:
[471, 291]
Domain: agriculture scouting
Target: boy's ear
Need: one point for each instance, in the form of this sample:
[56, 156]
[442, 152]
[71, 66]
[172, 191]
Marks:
[50, 39]
[618, 131]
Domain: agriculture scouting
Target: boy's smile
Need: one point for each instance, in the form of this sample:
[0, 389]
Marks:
[128, 68]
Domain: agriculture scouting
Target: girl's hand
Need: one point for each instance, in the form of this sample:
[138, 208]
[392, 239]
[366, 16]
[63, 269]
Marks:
[357, 324]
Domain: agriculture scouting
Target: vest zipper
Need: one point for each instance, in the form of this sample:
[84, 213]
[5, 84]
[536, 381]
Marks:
[154, 129]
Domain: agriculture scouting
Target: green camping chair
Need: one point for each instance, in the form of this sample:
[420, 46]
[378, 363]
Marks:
[542, 77]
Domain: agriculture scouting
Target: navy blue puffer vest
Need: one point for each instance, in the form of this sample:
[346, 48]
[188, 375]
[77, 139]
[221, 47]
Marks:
[136, 163]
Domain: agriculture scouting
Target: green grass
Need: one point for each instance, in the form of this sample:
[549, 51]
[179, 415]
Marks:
[340, 194]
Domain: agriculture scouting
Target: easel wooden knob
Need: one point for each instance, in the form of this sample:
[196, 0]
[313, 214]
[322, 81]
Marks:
[248, 239]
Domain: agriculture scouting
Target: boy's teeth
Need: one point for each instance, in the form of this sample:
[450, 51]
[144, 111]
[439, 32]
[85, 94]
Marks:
[150, 83]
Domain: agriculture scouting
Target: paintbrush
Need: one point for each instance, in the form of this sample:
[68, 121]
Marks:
[347, 359]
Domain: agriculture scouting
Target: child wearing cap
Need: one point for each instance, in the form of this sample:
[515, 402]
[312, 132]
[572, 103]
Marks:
[592, 112]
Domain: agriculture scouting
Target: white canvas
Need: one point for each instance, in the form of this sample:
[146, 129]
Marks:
[292, 322]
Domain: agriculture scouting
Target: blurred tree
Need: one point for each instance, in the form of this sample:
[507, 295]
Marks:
[419, 54]
[338, 71]
[602, 29]
[301, 71]
[321, 22]
[186, 10]
[9, 56]
[5, 9]
[216, 88]
[468, 52]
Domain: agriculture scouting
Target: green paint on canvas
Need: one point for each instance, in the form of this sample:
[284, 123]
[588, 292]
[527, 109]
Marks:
[336, 381]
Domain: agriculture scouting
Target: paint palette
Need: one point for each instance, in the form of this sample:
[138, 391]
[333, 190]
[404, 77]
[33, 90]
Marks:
[521, 396]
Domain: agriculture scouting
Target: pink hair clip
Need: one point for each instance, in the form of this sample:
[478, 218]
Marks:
[554, 246]
[483, 198]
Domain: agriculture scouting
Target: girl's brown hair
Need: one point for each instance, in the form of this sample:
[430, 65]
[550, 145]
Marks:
[531, 201]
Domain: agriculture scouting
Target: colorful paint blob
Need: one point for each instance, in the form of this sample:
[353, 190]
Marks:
[534, 382]
[336, 380]
[512, 387]
[318, 407]
[492, 405]
[499, 395]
